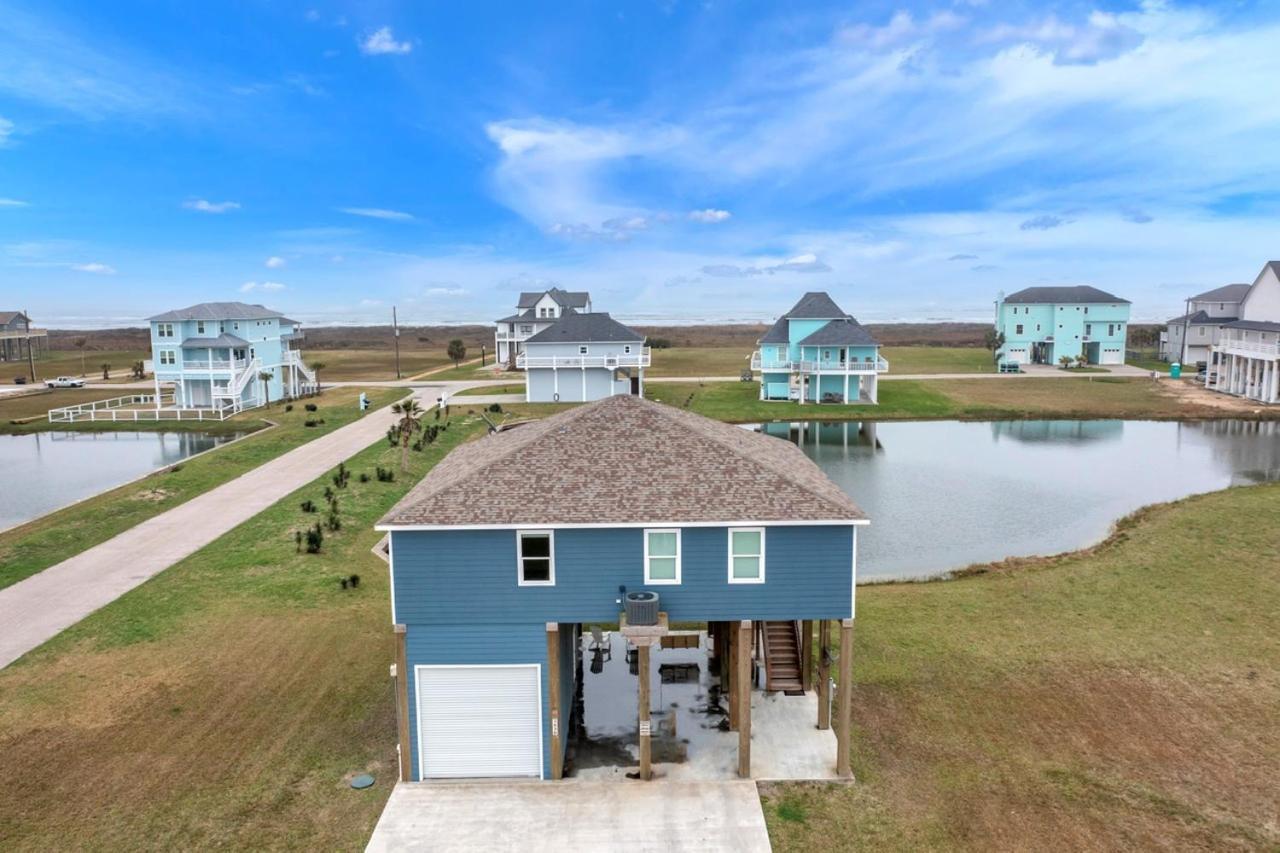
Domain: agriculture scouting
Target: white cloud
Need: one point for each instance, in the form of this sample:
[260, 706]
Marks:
[205, 206]
[378, 213]
[382, 41]
[96, 268]
[805, 263]
[6, 130]
[12, 202]
[445, 291]
[269, 286]
[274, 262]
[370, 303]
[710, 215]
[1102, 36]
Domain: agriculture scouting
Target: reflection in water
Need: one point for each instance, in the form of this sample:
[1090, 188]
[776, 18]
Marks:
[47, 470]
[945, 494]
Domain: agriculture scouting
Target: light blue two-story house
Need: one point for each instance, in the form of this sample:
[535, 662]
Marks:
[817, 353]
[518, 542]
[582, 357]
[213, 355]
[1042, 324]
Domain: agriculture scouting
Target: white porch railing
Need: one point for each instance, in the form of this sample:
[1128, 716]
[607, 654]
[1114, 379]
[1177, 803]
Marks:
[293, 358]
[880, 365]
[140, 407]
[635, 359]
[1253, 348]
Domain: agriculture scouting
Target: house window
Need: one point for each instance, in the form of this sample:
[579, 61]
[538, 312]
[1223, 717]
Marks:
[1088, 329]
[1017, 330]
[626, 349]
[662, 556]
[535, 556]
[1086, 309]
[200, 327]
[746, 555]
[524, 330]
[1201, 331]
[1037, 327]
[164, 330]
[582, 350]
[168, 356]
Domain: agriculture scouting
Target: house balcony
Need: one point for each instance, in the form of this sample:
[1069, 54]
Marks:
[524, 361]
[880, 365]
[1253, 349]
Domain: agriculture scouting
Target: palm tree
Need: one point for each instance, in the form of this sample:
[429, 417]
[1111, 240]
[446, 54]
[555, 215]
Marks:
[1082, 360]
[80, 344]
[316, 367]
[264, 376]
[410, 415]
[1065, 361]
[106, 370]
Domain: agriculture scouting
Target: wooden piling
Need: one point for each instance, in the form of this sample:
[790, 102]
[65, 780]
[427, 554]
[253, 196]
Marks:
[554, 699]
[642, 670]
[824, 674]
[743, 690]
[845, 709]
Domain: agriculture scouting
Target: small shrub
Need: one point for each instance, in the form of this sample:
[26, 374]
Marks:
[495, 407]
[308, 505]
[354, 580]
[659, 343]
[310, 422]
[333, 522]
[328, 494]
[175, 468]
[385, 475]
[315, 538]
[288, 407]
[364, 477]
[342, 476]
[297, 541]
[393, 437]
[311, 407]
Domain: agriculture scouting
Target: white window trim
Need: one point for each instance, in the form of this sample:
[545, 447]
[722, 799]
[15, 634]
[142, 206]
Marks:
[761, 531]
[648, 581]
[520, 534]
[583, 349]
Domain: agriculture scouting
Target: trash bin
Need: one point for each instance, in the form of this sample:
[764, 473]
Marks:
[1175, 370]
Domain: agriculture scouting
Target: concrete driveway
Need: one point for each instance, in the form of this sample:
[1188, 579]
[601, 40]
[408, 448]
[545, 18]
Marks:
[573, 815]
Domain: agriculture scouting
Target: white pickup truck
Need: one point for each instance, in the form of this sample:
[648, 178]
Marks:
[64, 382]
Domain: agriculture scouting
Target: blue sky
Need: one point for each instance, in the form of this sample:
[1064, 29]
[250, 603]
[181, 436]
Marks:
[681, 161]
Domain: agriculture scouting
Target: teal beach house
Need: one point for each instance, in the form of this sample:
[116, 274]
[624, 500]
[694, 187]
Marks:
[1042, 324]
[816, 353]
[651, 528]
[214, 354]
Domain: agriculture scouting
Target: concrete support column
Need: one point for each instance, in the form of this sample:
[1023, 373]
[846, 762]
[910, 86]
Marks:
[743, 689]
[845, 710]
[402, 703]
[554, 700]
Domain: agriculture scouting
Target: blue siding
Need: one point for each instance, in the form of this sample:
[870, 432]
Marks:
[461, 577]
[509, 643]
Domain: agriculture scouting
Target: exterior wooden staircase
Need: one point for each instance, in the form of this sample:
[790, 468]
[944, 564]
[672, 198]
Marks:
[782, 658]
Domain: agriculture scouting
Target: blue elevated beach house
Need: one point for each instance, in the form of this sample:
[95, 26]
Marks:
[1042, 324]
[816, 353]
[214, 354]
[672, 552]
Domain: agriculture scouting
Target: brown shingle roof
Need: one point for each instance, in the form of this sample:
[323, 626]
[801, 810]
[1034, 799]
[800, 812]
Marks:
[623, 460]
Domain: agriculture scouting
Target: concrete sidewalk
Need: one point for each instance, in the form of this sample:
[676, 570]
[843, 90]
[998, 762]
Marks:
[573, 815]
[35, 609]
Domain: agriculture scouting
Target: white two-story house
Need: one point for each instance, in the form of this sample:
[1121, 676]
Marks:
[535, 312]
[583, 357]
[1246, 360]
[216, 354]
[1190, 337]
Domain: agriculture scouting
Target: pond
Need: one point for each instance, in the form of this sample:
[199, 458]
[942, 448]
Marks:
[945, 494]
[44, 471]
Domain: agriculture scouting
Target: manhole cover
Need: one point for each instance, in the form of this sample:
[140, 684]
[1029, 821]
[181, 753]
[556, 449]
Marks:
[364, 780]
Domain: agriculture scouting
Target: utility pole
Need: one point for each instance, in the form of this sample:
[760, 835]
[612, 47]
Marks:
[482, 355]
[1186, 331]
[31, 358]
[396, 325]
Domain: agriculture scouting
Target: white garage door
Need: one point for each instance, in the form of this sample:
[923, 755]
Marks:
[479, 721]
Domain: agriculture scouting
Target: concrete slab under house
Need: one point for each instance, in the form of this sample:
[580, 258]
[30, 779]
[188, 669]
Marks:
[529, 646]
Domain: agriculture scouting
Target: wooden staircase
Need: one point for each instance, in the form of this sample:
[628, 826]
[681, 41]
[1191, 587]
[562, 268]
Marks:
[782, 658]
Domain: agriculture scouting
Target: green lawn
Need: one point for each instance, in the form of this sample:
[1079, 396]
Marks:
[52, 538]
[68, 363]
[699, 361]
[1126, 697]
[972, 399]
[912, 360]
[491, 389]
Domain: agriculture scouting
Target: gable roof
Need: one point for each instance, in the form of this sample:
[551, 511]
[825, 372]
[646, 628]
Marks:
[840, 333]
[777, 333]
[815, 305]
[623, 460]
[575, 328]
[1226, 293]
[566, 298]
[1067, 294]
[217, 311]
[10, 316]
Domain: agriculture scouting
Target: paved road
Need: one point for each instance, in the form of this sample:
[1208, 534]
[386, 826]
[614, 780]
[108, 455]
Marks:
[35, 609]
[571, 815]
